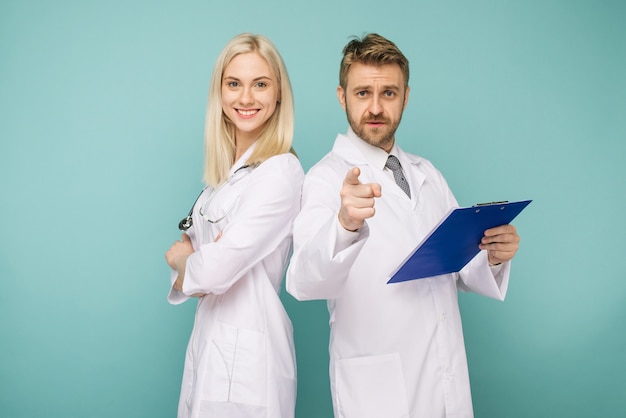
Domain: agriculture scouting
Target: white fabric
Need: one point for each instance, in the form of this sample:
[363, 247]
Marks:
[240, 360]
[396, 350]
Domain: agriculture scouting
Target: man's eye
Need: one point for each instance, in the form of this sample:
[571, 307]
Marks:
[362, 93]
[389, 93]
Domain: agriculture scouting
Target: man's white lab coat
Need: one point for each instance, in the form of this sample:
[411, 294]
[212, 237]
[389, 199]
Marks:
[240, 360]
[396, 350]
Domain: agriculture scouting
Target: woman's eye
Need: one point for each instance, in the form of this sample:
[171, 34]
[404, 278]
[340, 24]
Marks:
[261, 84]
[232, 84]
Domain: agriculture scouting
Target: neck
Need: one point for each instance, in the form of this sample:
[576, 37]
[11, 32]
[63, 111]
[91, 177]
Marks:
[241, 146]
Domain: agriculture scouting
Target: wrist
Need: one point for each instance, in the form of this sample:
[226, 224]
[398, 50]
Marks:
[349, 226]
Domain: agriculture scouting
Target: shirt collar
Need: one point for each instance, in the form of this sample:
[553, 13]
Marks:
[375, 156]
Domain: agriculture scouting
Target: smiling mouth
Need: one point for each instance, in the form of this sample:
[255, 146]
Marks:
[247, 112]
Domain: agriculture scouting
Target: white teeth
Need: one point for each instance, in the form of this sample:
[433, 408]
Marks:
[247, 112]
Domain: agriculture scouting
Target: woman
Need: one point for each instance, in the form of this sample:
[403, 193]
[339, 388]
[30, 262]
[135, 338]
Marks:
[240, 359]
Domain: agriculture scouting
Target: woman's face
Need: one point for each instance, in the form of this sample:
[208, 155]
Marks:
[249, 95]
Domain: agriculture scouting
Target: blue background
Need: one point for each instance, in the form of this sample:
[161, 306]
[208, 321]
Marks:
[101, 122]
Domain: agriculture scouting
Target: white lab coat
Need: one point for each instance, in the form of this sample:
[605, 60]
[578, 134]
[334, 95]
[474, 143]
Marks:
[240, 361]
[396, 350]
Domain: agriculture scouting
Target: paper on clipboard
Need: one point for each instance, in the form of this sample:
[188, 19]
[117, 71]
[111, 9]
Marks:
[454, 241]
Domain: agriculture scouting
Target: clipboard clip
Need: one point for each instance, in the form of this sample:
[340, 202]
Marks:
[491, 203]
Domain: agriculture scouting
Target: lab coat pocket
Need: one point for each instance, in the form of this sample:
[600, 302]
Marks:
[237, 367]
[371, 386]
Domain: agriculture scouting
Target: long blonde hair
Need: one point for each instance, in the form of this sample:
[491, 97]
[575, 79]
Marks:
[219, 133]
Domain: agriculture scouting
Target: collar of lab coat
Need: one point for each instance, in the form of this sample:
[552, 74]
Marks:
[357, 152]
[368, 154]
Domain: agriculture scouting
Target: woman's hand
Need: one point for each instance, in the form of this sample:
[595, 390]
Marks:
[176, 258]
[178, 252]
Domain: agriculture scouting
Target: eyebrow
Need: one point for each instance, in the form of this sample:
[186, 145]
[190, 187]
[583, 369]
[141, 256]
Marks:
[263, 77]
[369, 87]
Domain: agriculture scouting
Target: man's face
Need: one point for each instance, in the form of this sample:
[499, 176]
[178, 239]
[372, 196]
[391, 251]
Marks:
[374, 99]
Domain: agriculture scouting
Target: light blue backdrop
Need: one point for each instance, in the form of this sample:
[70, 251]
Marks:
[101, 119]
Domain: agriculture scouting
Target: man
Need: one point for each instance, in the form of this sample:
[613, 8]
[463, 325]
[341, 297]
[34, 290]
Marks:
[396, 350]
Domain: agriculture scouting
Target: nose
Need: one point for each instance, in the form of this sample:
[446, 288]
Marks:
[374, 107]
[247, 96]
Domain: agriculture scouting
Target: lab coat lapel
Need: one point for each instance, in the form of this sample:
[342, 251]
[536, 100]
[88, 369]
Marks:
[348, 152]
[353, 157]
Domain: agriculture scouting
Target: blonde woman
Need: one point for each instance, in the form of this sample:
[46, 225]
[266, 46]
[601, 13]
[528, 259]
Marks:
[240, 360]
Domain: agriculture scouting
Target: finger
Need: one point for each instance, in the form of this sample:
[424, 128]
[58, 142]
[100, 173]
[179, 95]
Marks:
[353, 176]
[497, 257]
[360, 213]
[501, 238]
[361, 191]
[499, 246]
[360, 202]
[499, 253]
[376, 190]
[502, 229]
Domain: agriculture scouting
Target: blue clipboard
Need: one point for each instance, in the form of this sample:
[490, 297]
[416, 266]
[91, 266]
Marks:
[454, 241]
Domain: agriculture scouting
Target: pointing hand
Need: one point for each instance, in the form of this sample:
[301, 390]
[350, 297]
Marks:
[357, 200]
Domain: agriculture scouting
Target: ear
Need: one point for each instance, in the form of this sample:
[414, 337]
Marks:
[341, 95]
[406, 97]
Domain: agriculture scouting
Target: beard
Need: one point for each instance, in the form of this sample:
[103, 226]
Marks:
[382, 137]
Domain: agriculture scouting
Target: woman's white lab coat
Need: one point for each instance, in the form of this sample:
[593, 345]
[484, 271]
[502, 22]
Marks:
[240, 361]
[396, 350]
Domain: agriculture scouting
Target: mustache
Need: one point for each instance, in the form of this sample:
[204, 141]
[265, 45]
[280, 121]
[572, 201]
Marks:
[375, 118]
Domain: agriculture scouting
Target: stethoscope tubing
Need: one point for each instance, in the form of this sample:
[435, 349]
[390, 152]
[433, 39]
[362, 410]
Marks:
[187, 221]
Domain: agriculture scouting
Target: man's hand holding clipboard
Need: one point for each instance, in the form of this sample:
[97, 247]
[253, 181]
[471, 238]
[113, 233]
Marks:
[460, 236]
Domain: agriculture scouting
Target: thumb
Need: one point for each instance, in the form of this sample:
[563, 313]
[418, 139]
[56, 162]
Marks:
[353, 176]
[185, 238]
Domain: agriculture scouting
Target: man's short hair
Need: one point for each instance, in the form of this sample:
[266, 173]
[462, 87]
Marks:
[372, 49]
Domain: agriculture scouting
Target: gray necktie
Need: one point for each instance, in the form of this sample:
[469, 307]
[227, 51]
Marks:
[394, 165]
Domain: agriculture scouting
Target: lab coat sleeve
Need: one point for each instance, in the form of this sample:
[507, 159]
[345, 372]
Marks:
[262, 221]
[175, 297]
[479, 278]
[321, 260]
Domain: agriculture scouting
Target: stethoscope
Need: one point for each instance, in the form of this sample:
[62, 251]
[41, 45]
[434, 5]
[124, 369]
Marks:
[187, 221]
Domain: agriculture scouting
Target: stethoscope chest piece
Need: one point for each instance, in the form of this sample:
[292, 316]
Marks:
[185, 223]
